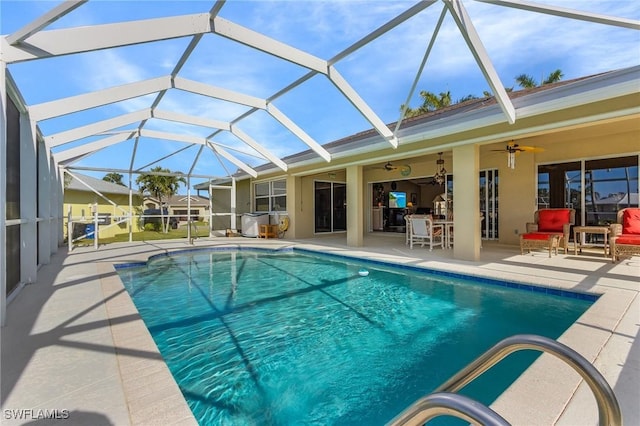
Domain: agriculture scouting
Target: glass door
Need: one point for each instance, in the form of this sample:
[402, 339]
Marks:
[330, 206]
[596, 189]
[610, 185]
[489, 204]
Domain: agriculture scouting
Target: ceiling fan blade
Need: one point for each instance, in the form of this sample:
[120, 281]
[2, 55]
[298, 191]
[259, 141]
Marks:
[530, 149]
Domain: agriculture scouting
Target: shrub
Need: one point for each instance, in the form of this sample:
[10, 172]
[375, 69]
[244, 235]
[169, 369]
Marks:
[152, 226]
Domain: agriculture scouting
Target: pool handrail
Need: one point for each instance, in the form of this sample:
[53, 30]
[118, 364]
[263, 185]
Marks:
[608, 408]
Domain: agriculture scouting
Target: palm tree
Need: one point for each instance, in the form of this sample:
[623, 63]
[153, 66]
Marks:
[114, 178]
[160, 186]
[554, 77]
[527, 82]
[430, 102]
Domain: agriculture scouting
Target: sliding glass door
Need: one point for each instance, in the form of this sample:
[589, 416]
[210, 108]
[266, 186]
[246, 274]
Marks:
[610, 185]
[489, 203]
[330, 206]
[596, 189]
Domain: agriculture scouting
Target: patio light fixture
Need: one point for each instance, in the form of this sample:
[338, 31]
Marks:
[441, 173]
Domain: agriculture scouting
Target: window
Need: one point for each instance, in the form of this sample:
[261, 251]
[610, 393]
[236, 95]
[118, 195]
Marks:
[610, 184]
[271, 196]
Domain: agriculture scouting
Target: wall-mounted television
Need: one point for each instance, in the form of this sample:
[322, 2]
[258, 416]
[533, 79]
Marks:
[397, 200]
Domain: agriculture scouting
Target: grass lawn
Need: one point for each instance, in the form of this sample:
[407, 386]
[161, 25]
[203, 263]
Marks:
[181, 232]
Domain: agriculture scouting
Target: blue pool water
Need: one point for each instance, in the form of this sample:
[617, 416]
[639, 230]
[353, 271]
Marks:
[292, 338]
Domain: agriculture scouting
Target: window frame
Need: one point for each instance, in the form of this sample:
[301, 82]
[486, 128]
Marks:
[273, 195]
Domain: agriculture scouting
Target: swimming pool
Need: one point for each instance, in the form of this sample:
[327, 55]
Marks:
[291, 337]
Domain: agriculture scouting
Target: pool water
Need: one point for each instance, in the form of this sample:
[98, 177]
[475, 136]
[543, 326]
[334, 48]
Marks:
[291, 338]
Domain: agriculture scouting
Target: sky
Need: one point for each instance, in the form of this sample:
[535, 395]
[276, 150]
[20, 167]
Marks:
[382, 72]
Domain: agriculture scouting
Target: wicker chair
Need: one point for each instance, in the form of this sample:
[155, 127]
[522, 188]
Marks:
[625, 235]
[550, 229]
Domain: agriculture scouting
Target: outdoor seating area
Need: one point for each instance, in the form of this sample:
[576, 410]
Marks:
[625, 235]
[550, 229]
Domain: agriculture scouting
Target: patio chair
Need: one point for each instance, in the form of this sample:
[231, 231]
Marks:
[407, 219]
[625, 235]
[423, 231]
[550, 229]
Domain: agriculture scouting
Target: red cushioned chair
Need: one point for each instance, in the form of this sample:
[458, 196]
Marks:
[551, 228]
[625, 235]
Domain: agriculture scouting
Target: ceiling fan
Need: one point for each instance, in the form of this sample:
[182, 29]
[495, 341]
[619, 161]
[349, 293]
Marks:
[512, 149]
[389, 167]
[405, 170]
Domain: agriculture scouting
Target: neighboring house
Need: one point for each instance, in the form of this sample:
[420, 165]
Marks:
[178, 206]
[82, 193]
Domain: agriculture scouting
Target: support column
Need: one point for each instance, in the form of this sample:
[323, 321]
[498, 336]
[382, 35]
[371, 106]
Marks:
[28, 201]
[57, 208]
[234, 204]
[466, 202]
[294, 204]
[189, 236]
[46, 197]
[3, 193]
[130, 221]
[355, 207]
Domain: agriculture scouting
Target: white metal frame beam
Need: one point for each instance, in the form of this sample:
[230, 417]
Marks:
[190, 119]
[268, 45]
[567, 13]
[355, 99]
[196, 140]
[44, 21]
[77, 133]
[425, 57]
[92, 147]
[471, 37]
[232, 159]
[141, 32]
[259, 148]
[98, 98]
[46, 44]
[218, 93]
[298, 132]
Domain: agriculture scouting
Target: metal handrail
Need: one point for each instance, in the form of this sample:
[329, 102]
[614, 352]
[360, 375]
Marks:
[608, 409]
[449, 404]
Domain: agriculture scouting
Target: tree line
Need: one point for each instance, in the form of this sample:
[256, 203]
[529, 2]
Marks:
[432, 102]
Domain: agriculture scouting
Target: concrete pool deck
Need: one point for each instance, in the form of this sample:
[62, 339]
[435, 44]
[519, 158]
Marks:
[75, 348]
